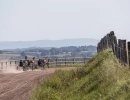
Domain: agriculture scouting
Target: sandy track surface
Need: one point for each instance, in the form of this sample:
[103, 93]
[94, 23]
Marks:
[20, 86]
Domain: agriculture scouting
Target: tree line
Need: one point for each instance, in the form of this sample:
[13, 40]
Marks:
[68, 51]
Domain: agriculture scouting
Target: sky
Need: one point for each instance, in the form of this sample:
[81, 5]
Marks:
[28, 20]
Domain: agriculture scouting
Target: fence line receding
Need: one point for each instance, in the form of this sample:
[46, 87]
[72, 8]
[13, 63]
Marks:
[120, 47]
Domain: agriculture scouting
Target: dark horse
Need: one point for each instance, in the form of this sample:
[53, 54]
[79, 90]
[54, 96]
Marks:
[27, 64]
[43, 63]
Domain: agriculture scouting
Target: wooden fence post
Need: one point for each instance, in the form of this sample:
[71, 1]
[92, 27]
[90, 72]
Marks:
[10, 63]
[124, 52]
[6, 65]
[2, 64]
[65, 61]
[113, 43]
[48, 63]
[119, 50]
[84, 60]
[98, 47]
[108, 41]
[73, 60]
[15, 63]
[56, 61]
[129, 54]
[101, 44]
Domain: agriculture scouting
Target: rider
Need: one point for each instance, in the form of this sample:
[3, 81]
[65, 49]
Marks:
[25, 64]
[47, 61]
[33, 63]
[21, 63]
[39, 62]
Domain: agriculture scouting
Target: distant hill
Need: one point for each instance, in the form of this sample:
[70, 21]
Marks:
[48, 43]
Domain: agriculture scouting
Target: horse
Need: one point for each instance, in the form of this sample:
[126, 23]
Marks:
[27, 64]
[43, 63]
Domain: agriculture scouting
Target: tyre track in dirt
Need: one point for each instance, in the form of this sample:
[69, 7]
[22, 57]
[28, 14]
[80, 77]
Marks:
[7, 80]
[15, 87]
[20, 86]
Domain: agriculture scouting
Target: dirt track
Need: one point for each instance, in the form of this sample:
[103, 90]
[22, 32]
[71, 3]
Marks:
[20, 86]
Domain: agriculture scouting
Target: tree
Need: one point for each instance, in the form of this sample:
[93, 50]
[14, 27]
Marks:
[45, 53]
[75, 54]
[23, 54]
[52, 51]
[1, 52]
[89, 54]
[84, 55]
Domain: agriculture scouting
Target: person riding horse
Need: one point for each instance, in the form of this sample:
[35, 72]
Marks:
[25, 64]
[21, 63]
[28, 63]
[46, 61]
[33, 63]
[42, 63]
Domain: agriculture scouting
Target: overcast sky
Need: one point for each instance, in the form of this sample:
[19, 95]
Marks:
[25, 20]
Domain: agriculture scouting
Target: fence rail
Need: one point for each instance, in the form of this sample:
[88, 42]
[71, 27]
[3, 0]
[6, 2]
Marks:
[120, 48]
[51, 61]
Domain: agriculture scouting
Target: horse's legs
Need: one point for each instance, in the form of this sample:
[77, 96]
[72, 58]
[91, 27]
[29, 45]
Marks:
[32, 67]
[43, 66]
[48, 65]
[24, 68]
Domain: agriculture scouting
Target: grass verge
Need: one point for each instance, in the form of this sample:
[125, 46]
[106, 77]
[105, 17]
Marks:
[103, 78]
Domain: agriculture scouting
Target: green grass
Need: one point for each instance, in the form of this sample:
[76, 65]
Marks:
[67, 65]
[62, 66]
[103, 78]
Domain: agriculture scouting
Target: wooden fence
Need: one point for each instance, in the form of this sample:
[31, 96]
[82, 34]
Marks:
[120, 48]
[51, 61]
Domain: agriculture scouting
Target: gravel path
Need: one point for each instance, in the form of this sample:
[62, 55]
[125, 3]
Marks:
[19, 86]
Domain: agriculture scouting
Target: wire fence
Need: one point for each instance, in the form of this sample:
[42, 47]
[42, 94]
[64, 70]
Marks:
[120, 48]
[51, 62]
